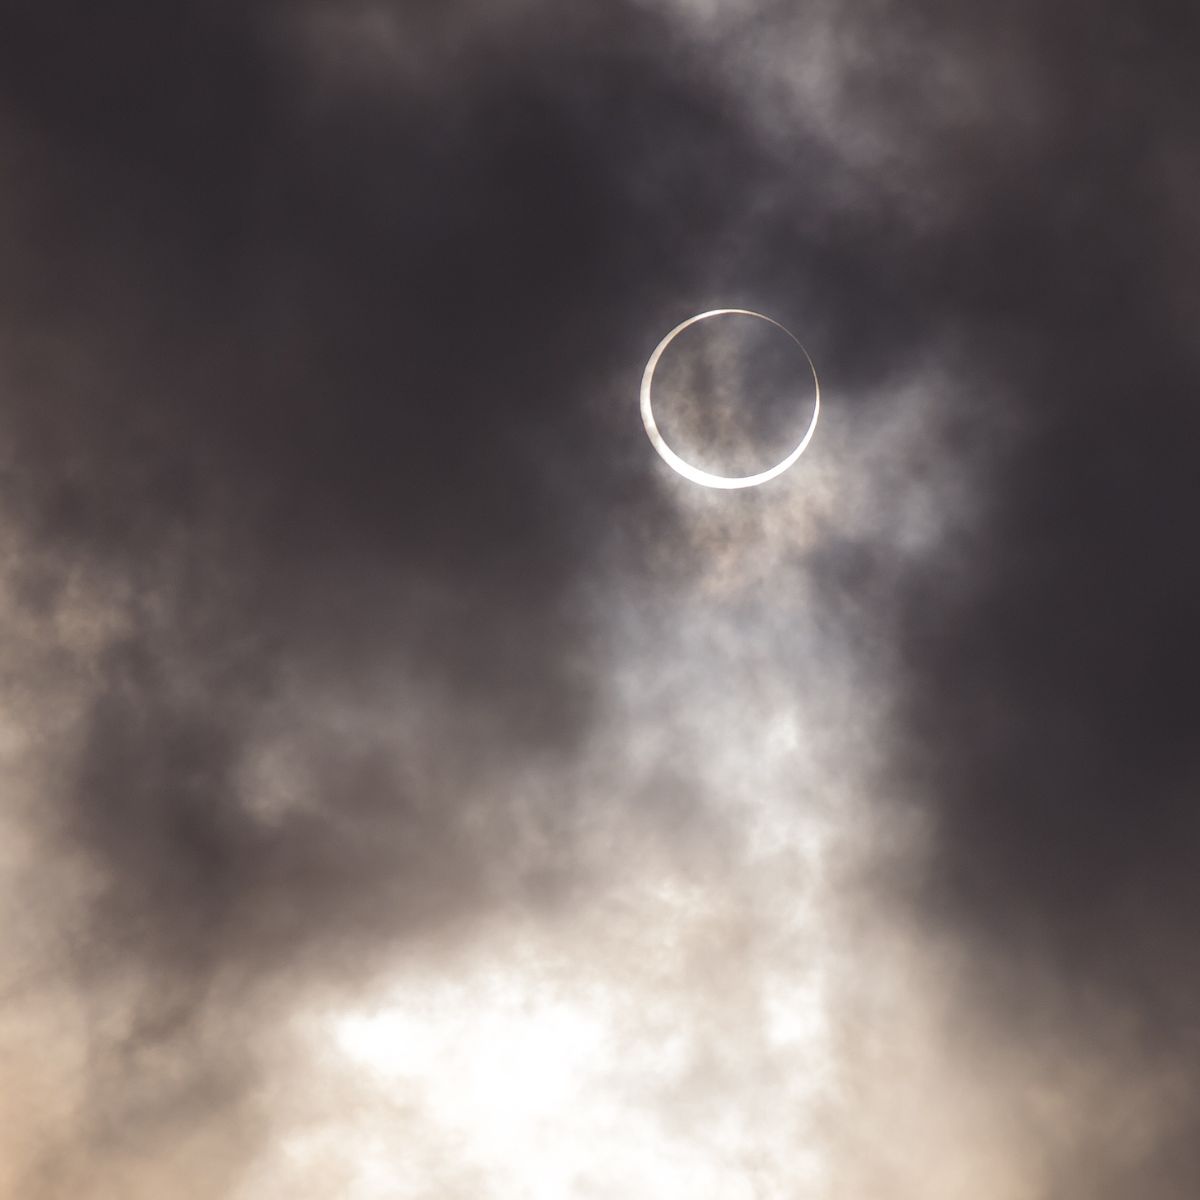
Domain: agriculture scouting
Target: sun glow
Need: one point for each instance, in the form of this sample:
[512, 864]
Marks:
[497, 1063]
[681, 465]
[552, 1078]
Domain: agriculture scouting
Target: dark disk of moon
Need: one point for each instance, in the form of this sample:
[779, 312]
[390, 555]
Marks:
[707, 478]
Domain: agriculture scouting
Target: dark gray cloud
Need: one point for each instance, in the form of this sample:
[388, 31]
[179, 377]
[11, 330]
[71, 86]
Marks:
[1050, 660]
[299, 375]
[350, 622]
[1050, 651]
[292, 363]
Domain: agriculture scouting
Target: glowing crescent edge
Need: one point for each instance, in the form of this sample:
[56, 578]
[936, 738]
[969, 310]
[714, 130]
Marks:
[685, 468]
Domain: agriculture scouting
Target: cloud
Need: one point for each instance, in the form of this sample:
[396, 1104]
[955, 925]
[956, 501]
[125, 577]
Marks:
[366, 674]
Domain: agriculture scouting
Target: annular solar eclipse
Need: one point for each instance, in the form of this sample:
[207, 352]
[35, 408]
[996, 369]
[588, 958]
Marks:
[682, 466]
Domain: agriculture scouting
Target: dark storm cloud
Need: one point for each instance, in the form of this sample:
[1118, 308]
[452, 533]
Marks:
[1054, 658]
[301, 370]
[1049, 701]
[309, 320]
[304, 367]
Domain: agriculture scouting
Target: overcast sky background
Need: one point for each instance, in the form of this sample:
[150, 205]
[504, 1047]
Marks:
[412, 789]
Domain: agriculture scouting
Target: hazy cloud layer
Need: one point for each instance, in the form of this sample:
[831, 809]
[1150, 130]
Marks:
[413, 789]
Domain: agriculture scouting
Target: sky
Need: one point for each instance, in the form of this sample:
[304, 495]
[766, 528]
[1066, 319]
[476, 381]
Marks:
[413, 790]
